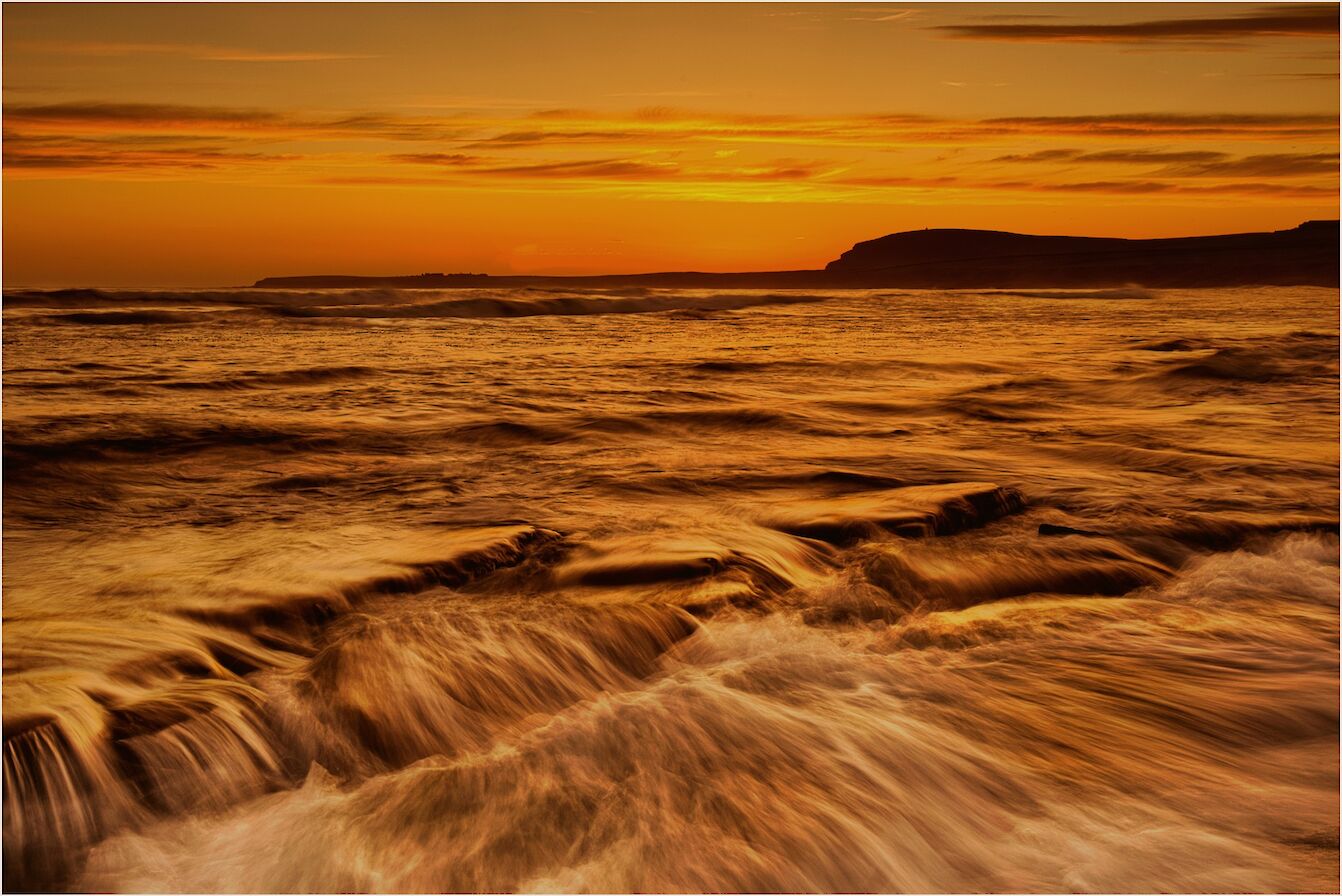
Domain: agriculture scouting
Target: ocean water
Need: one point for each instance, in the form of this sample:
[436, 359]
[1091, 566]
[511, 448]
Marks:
[654, 590]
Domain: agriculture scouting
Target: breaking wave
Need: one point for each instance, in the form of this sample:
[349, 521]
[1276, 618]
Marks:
[1125, 292]
[383, 304]
[856, 596]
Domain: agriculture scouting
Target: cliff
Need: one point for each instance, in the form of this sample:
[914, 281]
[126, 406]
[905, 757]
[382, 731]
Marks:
[1305, 255]
[970, 259]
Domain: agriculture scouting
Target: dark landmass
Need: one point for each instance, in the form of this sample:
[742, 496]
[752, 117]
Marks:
[971, 259]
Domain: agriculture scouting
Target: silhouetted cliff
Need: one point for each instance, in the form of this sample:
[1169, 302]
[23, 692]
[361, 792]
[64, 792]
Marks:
[973, 259]
[1305, 255]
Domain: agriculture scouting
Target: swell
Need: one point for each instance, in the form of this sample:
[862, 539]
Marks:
[237, 702]
[126, 318]
[445, 657]
[46, 444]
[1299, 356]
[1043, 636]
[24, 449]
[380, 304]
[136, 383]
[1126, 292]
[301, 376]
[239, 697]
[106, 298]
[768, 756]
[568, 306]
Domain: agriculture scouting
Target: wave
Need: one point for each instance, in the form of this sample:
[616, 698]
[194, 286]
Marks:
[41, 446]
[302, 376]
[767, 755]
[211, 743]
[838, 480]
[382, 304]
[900, 580]
[177, 727]
[861, 596]
[915, 511]
[26, 447]
[1126, 292]
[706, 574]
[497, 307]
[1172, 345]
[125, 318]
[1255, 365]
[347, 685]
[235, 298]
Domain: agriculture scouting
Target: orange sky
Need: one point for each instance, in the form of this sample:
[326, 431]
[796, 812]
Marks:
[192, 144]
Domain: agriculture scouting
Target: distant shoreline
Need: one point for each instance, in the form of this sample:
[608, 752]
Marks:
[1306, 255]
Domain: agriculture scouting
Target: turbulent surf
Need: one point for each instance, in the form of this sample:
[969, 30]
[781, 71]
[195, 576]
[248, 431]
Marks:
[671, 590]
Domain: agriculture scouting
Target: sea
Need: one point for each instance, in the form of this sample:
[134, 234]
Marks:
[648, 590]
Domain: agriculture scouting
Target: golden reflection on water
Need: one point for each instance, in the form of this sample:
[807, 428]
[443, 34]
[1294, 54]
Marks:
[667, 591]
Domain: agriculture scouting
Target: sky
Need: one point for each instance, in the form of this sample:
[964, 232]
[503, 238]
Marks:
[215, 144]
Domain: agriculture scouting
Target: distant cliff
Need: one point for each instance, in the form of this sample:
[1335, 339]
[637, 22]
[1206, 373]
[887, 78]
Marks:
[972, 259]
[1305, 255]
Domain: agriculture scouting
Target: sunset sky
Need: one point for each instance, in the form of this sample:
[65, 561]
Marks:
[166, 144]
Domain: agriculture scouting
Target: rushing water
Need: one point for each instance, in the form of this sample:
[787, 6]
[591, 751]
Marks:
[668, 590]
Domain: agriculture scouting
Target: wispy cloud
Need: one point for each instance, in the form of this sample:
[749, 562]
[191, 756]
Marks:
[1268, 165]
[513, 139]
[1135, 157]
[662, 125]
[1111, 187]
[1147, 187]
[450, 159]
[628, 169]
[682, 152]
[136, 114]
[1191, 163]
[122, 154]
[156, 118]
[1313, 21]
[1267, 126]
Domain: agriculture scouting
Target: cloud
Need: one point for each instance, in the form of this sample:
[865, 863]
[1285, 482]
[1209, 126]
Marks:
[1114, 157]
[199, 159]
[1145, 187]
[536, 138]
[454, 160]
[899, 181]
[1264, 126]
[1043, 155]
[1192, 163]
[1269, 165]
[1110, 187]
[671, 151]
[155, 117]
[1312, 21]
[135, 114]
[625, 169]
[621, 169]
[130, 152]
[658, 126]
